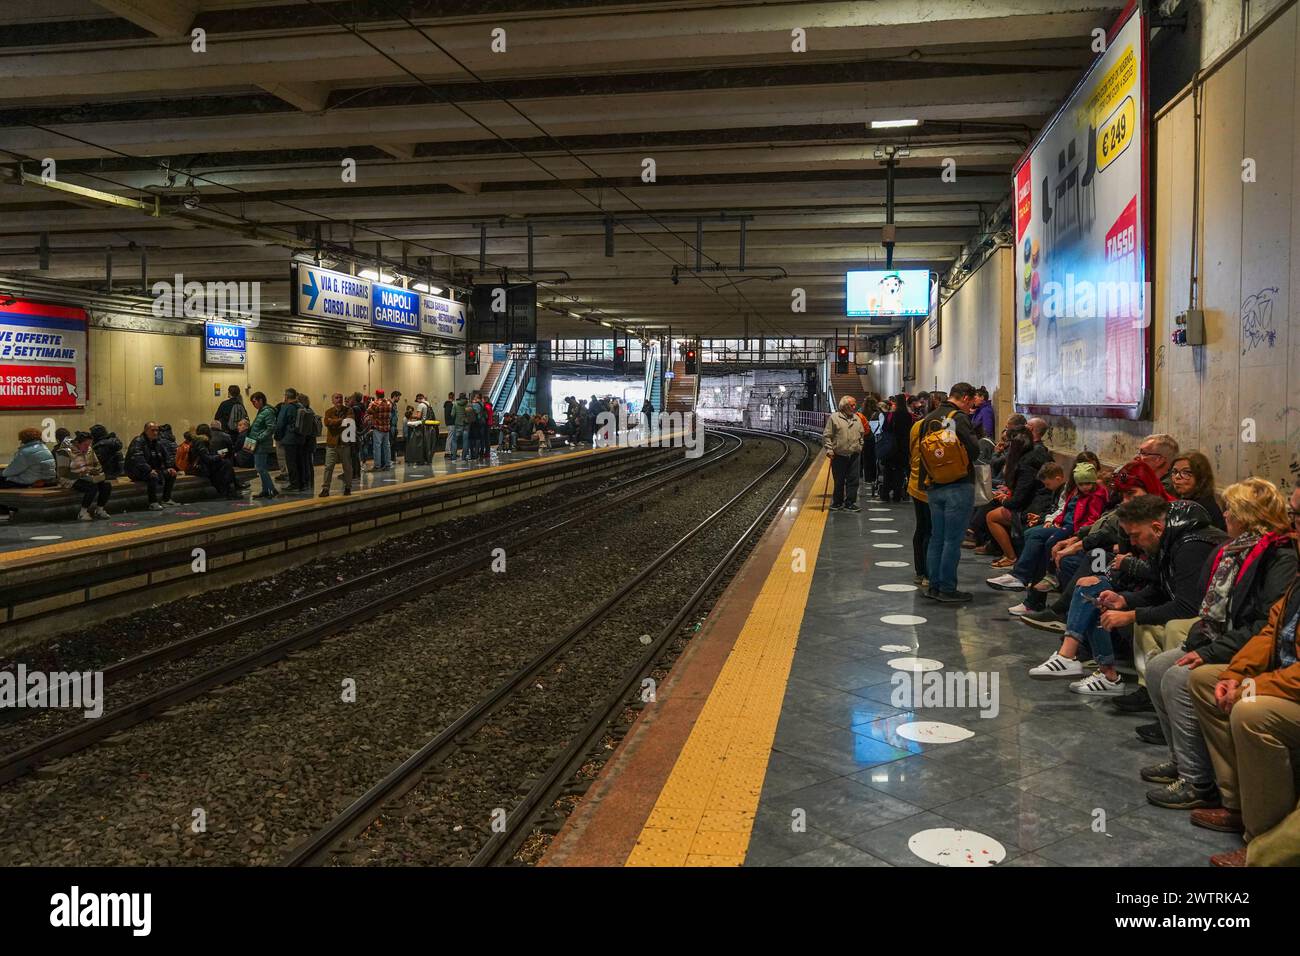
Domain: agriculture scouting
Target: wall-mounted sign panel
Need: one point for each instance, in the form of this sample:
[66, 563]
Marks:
[43, 356]
[224, 344]
[326, 294]
[1081, 274]
[442, 318]
[394, 308]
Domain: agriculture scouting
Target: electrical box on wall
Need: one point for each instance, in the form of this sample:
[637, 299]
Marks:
[1189, 328]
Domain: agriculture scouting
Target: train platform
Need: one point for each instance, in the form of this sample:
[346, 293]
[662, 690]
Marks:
[18, 537]
[806, 725]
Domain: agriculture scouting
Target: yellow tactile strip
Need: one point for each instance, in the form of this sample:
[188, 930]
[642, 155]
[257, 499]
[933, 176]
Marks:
[705, 811]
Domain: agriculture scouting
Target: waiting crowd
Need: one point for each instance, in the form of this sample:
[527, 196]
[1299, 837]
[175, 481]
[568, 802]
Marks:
[354, 429]
[1146, 561]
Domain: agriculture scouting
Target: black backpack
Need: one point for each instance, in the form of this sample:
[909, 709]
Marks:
[308, 423]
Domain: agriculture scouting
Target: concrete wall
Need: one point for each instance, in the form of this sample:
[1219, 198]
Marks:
[1242, 380]
[976, 336]
[123, 395]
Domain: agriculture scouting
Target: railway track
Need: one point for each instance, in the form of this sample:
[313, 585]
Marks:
[472, 553]
[518, 822]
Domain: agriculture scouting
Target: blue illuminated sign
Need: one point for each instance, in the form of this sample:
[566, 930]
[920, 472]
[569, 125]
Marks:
[224, 343]
[394, 308]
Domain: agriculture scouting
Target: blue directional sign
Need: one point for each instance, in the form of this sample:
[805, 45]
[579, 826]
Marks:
[394, 308]
[224, 343]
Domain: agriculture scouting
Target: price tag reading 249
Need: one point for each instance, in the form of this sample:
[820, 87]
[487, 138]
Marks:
[1116, 133]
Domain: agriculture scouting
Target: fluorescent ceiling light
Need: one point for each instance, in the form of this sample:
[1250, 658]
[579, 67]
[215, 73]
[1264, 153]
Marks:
[894, 124]
[372, 274]
[425, 287]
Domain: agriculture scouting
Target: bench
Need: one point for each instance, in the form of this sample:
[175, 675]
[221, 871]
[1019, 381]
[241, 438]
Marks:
[52, 503]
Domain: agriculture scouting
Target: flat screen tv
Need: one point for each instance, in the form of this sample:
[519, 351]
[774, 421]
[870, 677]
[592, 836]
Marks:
[894, 292]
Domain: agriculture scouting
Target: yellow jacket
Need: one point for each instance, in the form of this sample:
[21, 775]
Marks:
[914, 478]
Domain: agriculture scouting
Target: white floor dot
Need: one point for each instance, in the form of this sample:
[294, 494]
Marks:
[915, 664]
[892, 564]
[897, 648]
[884, 531]
[932, 732]
[904, 620]
[946, 846]
[47, 537]
[886, 544]
[880, 519]
[877, 509]
[900, 588]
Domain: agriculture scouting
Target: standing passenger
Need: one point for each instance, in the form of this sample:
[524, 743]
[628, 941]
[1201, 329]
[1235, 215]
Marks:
[286, 433]
[338, 444]
[259, 439]
[951, 490]
[380, 415]
[843, 442]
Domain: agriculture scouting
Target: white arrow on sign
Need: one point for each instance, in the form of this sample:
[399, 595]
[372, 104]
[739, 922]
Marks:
[72, 389]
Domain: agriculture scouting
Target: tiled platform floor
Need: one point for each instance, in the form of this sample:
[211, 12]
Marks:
[1035, 777]
[26, 534]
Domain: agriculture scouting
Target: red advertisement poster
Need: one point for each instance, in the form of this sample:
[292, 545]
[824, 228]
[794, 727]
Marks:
[1124, 333]
[1024, 198]
[42, 356]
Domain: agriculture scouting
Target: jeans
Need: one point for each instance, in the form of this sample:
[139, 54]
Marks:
[459, 441]
[162, 481]
[921, 536]
[1032, 563]
[950, 510]
[293, 465]
[90, 490]
[383, 450]
[845, 470]
[262, 462]
[1082, 622]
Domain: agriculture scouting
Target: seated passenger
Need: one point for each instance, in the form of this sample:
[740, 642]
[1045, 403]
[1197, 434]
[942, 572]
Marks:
[31, 465]
[1249, 712]
[213, 465]
[108, 449]
[150, 461]
[1192, 476]
[1247, 575]
[1176, 539]
[219, 440]
[1077, 557]
[1083, 503]
[1026, 457]
[81, 471]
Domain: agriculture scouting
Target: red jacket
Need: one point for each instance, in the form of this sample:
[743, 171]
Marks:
[1087, 508]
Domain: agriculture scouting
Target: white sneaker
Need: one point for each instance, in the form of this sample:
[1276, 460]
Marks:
[84, 515]
[1018, 610]
[1099, 685]
[171, 504]
[155, 506]
[101, 513]
[1006, 582]
[1057, 666]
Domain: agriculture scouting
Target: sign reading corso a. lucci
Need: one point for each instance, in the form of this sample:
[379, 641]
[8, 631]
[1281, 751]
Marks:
[326, 294]
[224, 343]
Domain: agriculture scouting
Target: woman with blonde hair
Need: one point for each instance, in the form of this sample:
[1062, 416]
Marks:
[1244, 579]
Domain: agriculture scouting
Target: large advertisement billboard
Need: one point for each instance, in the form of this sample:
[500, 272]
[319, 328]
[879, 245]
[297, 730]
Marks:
[1081, 279]
[42, 355]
